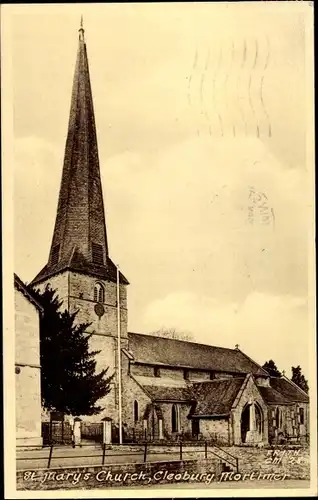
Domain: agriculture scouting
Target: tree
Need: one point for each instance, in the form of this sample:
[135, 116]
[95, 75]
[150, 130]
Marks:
[69, 382]
[172, 333]
[299, 379]
[271, 368]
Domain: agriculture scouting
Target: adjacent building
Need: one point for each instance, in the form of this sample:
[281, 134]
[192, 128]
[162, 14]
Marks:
[169, 388]
[27, 366]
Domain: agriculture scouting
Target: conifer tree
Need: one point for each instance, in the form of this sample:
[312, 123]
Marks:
[69, 382]
[299, 379]
[271, 368]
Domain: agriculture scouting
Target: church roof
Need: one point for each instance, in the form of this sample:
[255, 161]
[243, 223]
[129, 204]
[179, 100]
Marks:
[79, 239]
[215, 397]
[149, 349]
[271, 396]
[290, 390]
[158, 393]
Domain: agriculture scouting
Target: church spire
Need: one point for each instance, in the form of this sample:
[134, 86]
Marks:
[79, 239]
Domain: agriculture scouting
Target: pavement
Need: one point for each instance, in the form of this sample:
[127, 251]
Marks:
[67, 456]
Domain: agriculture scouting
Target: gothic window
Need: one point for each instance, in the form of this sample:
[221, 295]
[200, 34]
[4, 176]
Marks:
[55, 255]
[277, 417]
[136, 409]
[301, 415]
[157, 371]
[99, 293]
[212, 375]
[97, 254]
[175, 418]
[186, 374]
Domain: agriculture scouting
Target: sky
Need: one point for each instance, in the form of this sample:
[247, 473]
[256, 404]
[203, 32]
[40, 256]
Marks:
[202, 123]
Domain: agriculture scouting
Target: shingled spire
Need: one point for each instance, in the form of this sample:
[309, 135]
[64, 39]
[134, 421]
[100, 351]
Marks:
[79, 240]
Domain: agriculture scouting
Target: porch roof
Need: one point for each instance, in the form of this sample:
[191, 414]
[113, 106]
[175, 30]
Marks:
[216, 397]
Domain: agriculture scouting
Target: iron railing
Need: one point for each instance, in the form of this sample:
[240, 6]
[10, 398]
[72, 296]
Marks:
[145, 450]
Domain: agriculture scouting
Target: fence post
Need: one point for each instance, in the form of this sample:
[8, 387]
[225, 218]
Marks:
[180, 450]
[107, 430]
[50, 456]
[77, 431]
[104, 452]
[206, 449]
[145, 452]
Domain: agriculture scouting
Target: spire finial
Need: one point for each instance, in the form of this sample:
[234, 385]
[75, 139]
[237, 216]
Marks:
[81, 30]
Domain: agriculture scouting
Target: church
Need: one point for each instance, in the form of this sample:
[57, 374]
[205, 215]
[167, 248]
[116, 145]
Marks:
[164, 389]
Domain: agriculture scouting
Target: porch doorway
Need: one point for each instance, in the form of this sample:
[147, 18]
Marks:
[252, 420]
[245, 423]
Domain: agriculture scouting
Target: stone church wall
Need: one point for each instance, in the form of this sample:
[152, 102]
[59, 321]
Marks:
[284, 422]
[131, 392]
[198, 376]
[82, 299]
[142, 370]
[215, 429]
[185, 423]
[173, 373]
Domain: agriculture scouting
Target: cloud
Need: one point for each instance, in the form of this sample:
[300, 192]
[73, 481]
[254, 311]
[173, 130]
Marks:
[186, 212]
[265, 326]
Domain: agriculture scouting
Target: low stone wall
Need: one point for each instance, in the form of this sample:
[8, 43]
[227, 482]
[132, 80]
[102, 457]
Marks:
[294, 462]
[118, 475]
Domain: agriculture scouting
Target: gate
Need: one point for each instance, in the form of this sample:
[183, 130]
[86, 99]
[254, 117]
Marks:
[56, 433]
[92, 431]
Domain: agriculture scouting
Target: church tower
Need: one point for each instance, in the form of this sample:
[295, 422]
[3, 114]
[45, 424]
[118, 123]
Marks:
[79, 266]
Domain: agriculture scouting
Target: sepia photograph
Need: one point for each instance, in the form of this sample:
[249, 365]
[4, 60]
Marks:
[158, 249]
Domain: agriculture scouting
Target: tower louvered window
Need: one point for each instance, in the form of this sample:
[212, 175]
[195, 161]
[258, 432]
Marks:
[97, 254]
[55, 255]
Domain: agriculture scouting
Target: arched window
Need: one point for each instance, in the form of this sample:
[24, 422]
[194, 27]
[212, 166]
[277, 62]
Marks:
[175, 418]
[277, 417]
[99, 293]
[136, 409]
